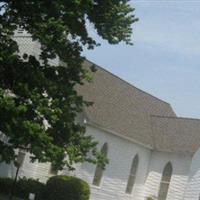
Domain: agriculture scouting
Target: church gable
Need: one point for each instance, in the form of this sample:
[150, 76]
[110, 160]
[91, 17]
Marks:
[136, 115]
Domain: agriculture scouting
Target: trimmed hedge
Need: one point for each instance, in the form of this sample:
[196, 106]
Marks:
[66, 188]
[57, 187]
[23, 187]
[6, 185]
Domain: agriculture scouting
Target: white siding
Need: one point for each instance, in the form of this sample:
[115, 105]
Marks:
[114, 181]
[35, 170]
[180, 165]
[193, 187]
[115, 177]
[7, 170]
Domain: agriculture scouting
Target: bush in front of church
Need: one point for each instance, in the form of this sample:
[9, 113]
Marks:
[26, 186]
[66, 188]
[5, 185]
[22, 187]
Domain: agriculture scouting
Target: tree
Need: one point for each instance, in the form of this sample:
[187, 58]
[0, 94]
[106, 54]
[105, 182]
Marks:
[34, 93]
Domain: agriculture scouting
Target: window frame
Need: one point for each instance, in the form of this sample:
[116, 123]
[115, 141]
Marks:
[99, 171]
[166, 174]
[132, 175]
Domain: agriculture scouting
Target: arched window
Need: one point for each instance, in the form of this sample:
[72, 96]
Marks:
[99, 170]
[165, 181]
[52, 170]
[132, 175]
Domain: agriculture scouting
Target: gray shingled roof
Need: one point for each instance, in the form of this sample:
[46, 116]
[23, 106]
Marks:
[176, 134]
[137, 115]
[131, 112]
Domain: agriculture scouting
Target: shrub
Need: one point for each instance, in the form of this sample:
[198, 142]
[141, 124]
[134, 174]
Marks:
[150, 198]
[25, 186]
[22, 188]
[66, 188]
[6, 185]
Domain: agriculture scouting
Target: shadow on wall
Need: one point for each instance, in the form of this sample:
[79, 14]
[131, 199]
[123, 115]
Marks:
[193, 186]
[121, 172]
[195, 167]
[7, 170]
[116, 176]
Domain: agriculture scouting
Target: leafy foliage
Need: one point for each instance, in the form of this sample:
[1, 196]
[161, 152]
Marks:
[149, 198]
[33, 92]
[66, 187]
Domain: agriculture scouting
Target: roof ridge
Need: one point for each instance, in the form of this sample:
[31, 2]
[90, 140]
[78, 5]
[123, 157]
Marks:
[128, 83]
[174, 117]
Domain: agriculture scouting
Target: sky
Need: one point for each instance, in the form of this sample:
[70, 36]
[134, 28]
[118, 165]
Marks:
[165, 58]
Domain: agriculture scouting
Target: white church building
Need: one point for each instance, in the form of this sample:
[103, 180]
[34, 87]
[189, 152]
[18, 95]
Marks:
[151, 151]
